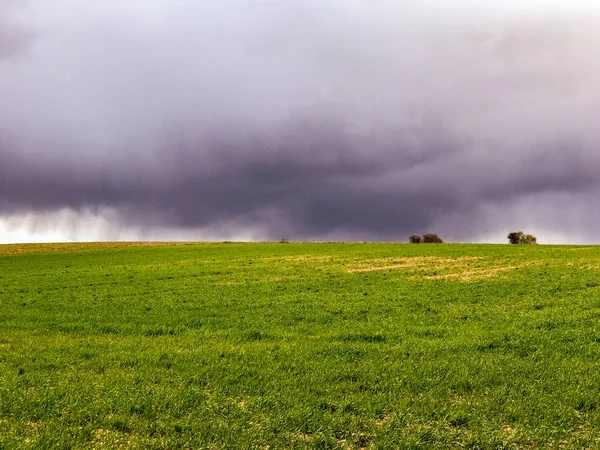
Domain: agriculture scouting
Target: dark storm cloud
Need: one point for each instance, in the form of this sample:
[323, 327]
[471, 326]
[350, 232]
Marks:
[302, 119]
[321, 177]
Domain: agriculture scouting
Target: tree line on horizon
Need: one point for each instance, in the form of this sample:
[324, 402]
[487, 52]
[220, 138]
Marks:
[514, 237]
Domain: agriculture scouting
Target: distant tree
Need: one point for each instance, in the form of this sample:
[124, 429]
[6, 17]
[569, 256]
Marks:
[415, 239]
[518, 237]
[515, 237]
[432, 238]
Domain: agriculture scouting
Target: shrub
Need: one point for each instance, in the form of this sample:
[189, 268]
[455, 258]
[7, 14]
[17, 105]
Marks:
[432, 238]
[427, 238]
[515, 237]
[415, 239]
[518, 237]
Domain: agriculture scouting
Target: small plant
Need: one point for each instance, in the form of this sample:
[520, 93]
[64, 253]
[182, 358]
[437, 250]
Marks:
[415, 239]
[518, 237]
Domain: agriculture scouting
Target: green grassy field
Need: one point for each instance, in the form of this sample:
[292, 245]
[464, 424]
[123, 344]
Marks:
[299, 346]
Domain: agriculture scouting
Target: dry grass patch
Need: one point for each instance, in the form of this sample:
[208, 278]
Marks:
[302, 437]
[102, 438]
[508, 431]
[471, 275]
[586, 266]
[265, 279]
[475, 274]
[384, 420]
[300, 258]
[18, 249]
[428, 262]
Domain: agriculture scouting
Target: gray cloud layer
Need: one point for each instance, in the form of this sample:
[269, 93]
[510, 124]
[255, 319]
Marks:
[16, 35]
[309, 120]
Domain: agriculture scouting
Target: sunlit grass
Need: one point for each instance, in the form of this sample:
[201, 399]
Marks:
[299, 346]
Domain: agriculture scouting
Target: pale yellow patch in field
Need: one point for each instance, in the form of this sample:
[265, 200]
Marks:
[274, 279]
[101, 438]
[508, 432]
[265, 279]
[480, 273]
[17, 249]
[376, 268]
[471, 275]
[302, 437]
[300, 258]
[357, 442]
[428, 262]
[383, 420]
[587, 266]
[583, 435]
[457, 399]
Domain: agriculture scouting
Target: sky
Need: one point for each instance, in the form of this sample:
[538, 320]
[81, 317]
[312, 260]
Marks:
[361, 120]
